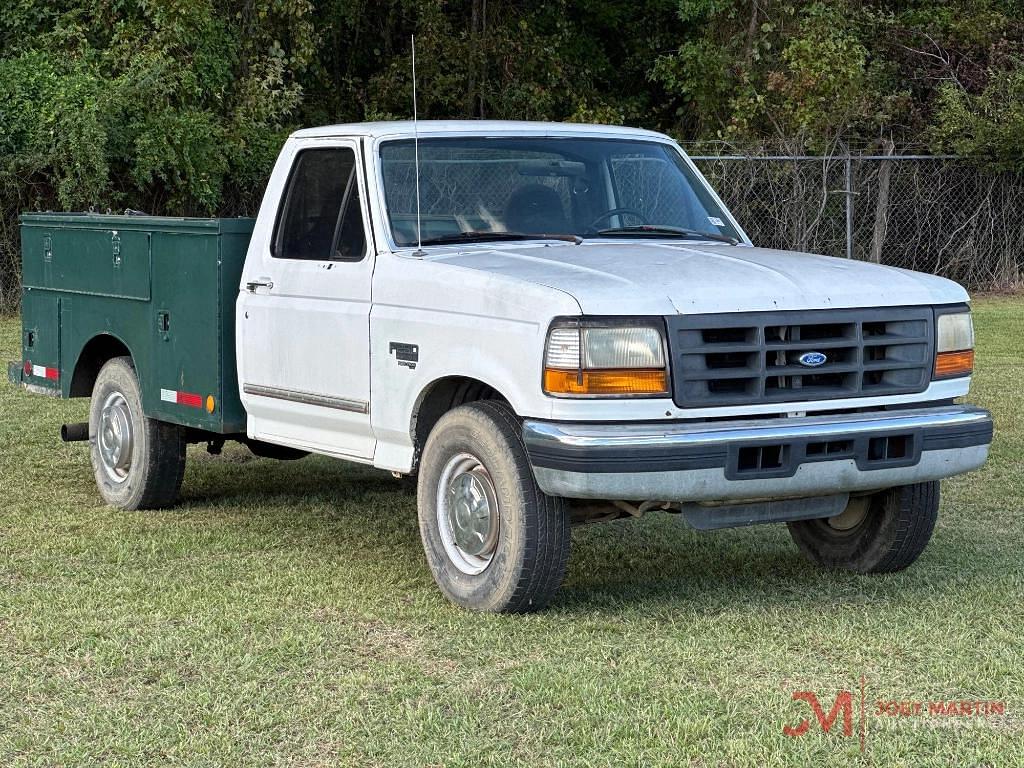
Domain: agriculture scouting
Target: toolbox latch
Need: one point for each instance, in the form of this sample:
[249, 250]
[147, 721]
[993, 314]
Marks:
[163, 323]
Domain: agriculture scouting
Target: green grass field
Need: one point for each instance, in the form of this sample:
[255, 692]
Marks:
[283, 615]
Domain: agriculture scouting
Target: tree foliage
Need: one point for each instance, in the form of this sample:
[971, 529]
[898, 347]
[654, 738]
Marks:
[179, 106]
[863, 72]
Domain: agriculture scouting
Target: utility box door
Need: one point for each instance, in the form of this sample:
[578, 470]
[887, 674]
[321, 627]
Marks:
[110, 262]
[40, 320]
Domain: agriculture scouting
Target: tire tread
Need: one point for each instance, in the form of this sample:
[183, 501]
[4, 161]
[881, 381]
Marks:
[916, 511]
[542, 573]
[156, 482]
[901, 525]
[545, 522]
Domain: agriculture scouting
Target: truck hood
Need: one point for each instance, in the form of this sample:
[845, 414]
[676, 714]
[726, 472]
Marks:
[658, 278]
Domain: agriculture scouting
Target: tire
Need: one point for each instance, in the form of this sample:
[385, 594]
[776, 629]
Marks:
[893, 528]
[525, 546]
[148, 475]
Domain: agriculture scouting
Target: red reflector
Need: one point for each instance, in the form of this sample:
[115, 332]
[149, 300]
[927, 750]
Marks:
[41, 371]
[192, 401]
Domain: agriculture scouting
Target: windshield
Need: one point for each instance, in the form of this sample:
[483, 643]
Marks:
[481, 188]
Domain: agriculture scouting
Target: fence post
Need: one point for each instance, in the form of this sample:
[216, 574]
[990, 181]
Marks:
[849, 205]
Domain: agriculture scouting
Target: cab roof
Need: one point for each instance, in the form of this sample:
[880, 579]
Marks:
[405, 129]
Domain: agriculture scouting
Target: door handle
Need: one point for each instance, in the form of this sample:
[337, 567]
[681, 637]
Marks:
[259, 282]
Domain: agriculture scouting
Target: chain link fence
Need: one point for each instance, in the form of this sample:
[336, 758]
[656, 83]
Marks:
[10, 255]
[938, 214]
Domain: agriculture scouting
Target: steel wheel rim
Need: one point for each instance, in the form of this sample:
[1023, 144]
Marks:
[856, 512]
[114, 438]
[467, 513]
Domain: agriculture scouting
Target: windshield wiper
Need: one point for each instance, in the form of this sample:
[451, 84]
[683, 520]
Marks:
[487, 235]
[657, 230]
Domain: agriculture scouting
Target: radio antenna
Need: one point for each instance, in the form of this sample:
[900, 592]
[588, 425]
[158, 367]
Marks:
[416, 146]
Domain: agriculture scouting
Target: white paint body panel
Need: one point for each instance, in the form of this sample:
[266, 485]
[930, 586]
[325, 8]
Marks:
[308, 333]
[644, 277]
[482, 311]
[466, 322]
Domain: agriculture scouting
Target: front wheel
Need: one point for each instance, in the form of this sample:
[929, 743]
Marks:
[493, 540]
[880, 533]
[138, 462]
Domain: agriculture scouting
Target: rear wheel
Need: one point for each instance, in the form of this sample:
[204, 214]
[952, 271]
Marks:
[493, 540]
[138, 462]
[880, 533]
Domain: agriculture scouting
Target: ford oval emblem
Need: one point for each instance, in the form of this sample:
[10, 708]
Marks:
[812, 359]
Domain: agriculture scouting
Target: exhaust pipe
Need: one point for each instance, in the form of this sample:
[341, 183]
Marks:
[75, 433]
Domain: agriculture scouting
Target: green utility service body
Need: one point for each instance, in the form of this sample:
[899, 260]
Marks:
[162, 289]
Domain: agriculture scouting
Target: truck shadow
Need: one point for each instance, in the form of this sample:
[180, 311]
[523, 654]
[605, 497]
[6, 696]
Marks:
[351, 513]
[659, 564]
[237, 475]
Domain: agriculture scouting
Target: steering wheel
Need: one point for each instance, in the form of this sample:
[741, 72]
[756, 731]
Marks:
[619, 212]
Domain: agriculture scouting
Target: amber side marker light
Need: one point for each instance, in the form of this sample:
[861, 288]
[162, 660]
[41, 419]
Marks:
[631, 381]
[211, 404]
[954, 363]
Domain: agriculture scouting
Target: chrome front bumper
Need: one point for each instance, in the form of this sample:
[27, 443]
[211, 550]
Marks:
[722, 461]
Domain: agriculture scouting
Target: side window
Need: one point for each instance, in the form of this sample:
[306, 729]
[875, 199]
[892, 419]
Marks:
[321, 217]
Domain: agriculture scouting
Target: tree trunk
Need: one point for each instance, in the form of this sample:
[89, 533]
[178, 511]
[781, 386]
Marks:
[477, 22]
[882, 205]
[748, 48]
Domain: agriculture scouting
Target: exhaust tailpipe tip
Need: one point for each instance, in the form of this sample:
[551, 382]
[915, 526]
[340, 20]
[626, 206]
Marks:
[75, 433]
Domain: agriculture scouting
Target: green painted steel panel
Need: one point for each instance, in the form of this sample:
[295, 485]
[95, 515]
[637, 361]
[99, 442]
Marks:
[40, 335]
[140, 223]
[111, 262]
[233, 247]
[170, 300]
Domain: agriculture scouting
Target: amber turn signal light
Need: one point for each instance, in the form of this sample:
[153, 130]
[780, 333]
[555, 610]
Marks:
[954, 363]
[614, 381]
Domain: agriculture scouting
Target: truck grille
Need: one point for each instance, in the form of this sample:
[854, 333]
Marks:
[754, 357]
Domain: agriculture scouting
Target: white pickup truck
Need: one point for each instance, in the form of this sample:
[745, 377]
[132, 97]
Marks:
[547, 324]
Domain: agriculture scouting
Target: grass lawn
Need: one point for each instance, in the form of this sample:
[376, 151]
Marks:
[283, 615]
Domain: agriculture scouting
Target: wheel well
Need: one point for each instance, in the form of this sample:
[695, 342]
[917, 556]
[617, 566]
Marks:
[442, 396]
[94, 356]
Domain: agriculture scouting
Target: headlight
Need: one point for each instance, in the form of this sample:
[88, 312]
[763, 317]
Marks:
[954, 345]
[605, 358]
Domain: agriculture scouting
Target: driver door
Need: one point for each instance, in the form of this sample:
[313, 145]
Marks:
[304, 311]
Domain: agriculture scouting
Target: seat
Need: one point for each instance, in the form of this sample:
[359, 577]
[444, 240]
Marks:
[536, 209]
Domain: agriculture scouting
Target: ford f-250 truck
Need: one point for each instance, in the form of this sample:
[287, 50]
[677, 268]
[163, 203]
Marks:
[545, 323]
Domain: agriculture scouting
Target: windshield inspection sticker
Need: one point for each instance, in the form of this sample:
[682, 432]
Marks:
[716, 221]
